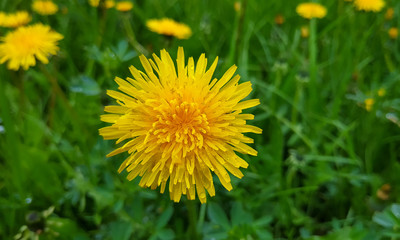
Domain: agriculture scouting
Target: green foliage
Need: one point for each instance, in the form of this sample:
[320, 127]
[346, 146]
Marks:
[327, 168]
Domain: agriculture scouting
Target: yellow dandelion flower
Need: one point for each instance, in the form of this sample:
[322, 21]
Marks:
[389, 14]
[369, 103]
[304, 31]
[179, 125]
[393, 32]
[14, 20]
[169, 27]
[94, 3]
[381, 92]
[237, 6]
[124, 6]
[311, 10]
[369, 5]
[45, 7]
[21, 46]
[2, 18]
[109, 4]
[279, 19]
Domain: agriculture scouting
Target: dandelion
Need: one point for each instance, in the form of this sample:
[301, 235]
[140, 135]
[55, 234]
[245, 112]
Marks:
[21, 46]
[169, 27]
[393, 32]
[311, 10]
[94, 3]
[381, 92]
[279, 19]
[237, 6]
[369, 5]
[383, 192]
[304, 31]
[389, 14]
[369, 103]
[44, 7]
[14, 20]
[179, 125]
[124, 6]
[109, 4]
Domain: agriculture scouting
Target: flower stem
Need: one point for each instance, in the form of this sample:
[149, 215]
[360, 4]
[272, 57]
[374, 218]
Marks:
[131, 36]
[192, 215]
[75, 120]
[296, 102]
[201, 216]
[312, 44]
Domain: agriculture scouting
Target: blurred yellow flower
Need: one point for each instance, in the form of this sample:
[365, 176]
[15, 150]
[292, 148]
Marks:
[21, 46]
[311, 10]
[304, 31]
[44, 7]
[106, 4]
[279, 19]
[109, 3]
[13, 20]
[179, 125]
[94, 3]
[237, 6]
[393, 32]
[169, 27]
[389, 14]
[124, 6]
[381, 92]
[369, 103]
[369, 5]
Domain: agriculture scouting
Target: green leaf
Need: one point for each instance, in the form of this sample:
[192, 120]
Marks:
[165, 217]
[120, 230]
[384, 219]
[218, 216]
[164, 234]
[396, 210]
[239, 216]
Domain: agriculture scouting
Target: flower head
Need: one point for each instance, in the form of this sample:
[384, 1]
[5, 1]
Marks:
[369, 5]
[381, 92]
[109, 4]
[279, 19]
[393, 32]
[389, 14]
[311, 10]
[14, 20]
[44, 7]
[124, 6]
[369, 103]
[304, 31]
[21, 46]
[169, 27]
[179, 125]
[94, 3]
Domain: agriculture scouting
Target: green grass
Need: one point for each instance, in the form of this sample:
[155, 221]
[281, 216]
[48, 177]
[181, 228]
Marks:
[322, 156]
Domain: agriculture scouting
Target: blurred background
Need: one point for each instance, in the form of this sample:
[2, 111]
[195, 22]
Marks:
[328, 159]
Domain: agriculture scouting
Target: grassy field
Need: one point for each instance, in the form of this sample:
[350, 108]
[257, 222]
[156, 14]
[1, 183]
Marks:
[328, 158]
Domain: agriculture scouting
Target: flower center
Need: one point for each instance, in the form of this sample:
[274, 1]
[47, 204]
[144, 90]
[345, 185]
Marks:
[181, 122]
[26, 44]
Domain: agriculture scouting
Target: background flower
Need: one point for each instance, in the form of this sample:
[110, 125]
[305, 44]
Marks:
[169, 27]
[13, 20]
[21, 46]
[44, 7]
[311, 10]
[369, 5]
[124, 6]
